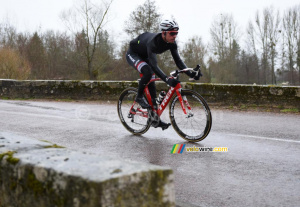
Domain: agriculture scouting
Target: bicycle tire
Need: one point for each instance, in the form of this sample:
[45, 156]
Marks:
[135, 124]
[195, 126]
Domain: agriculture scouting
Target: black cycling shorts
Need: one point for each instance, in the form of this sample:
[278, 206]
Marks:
[137, 62]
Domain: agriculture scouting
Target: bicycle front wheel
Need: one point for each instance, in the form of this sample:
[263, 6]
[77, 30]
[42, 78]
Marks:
[195, 125]
[133, 117]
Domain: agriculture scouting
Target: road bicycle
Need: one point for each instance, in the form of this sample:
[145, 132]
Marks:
[189, 113]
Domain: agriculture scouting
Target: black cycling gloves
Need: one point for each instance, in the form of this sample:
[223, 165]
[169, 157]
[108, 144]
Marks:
[172, 82]
[196, 74]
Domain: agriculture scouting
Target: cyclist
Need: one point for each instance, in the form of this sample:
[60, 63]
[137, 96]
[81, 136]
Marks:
[142, 56]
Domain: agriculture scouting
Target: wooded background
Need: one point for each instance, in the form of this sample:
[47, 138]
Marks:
[268, 52]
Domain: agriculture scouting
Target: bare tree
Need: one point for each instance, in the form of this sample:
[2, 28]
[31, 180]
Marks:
[291, 25]
[144, 18]
[59, 55]
[194, 53]
[105, 56]
[261, 25]
[223, 33]
[263, 37]
[252, 49]
[8, 35]
[273, 36]
[88, 18]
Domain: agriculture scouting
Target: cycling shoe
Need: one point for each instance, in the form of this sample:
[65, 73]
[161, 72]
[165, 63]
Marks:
[142, 102]
[163, 125]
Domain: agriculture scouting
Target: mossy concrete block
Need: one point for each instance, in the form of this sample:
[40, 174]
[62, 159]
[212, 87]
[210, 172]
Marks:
[34, 174]
[298, 92]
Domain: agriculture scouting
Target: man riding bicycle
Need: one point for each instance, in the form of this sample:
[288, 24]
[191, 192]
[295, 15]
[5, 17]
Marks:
[142, 56]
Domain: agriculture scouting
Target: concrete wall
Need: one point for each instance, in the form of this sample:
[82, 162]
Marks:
[39, 174]
[103, 90]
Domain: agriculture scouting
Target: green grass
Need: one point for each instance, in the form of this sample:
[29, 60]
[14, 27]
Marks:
[290, 110]
[53, 146]
[243, 107]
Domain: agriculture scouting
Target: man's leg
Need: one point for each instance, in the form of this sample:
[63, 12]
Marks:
[146, 75]
[145, 71]
[152, 90]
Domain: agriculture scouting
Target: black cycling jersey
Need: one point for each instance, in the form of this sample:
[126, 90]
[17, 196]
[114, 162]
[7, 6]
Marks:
[147, 45]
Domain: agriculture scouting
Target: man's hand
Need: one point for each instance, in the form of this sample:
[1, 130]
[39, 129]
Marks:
[196, 74]
[191, 74]
[172, 82]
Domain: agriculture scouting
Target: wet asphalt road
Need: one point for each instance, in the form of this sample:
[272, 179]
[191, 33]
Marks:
[261, 167]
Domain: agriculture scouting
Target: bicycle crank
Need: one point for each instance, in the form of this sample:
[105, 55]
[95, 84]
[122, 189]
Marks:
[154, 119]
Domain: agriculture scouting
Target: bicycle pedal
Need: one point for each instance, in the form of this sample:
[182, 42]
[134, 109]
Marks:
[155, 124]
[165, 127]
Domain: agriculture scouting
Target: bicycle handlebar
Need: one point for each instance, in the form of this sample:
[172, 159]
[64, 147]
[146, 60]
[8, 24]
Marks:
[175, 73]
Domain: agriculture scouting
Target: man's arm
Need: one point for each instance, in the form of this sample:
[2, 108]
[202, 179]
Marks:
[153, 63]
[179, 63]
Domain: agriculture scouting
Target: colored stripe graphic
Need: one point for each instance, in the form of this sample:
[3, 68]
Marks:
[173, 148]
[182, 148]
[177, 148]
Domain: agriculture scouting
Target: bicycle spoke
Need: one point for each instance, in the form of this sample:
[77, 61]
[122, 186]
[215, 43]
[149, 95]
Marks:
[195, 125]
[133, 117]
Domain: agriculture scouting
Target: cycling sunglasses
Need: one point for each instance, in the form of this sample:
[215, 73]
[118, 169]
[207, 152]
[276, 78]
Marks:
[173, 33]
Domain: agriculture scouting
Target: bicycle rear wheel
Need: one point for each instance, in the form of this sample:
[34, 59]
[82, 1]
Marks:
[196, 124]
[133, 117]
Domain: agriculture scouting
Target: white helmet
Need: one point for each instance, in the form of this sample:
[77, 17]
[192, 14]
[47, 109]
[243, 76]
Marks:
[168, 25]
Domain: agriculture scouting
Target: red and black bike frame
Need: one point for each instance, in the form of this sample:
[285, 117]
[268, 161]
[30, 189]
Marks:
[167, 98]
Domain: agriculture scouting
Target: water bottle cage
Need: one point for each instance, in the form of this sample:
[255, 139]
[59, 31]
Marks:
[161, 97]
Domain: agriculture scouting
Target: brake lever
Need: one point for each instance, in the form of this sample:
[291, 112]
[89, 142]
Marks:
[174, 73]
[197, 68]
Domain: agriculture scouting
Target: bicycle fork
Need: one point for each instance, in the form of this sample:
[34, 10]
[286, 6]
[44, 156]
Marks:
[183, 101]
